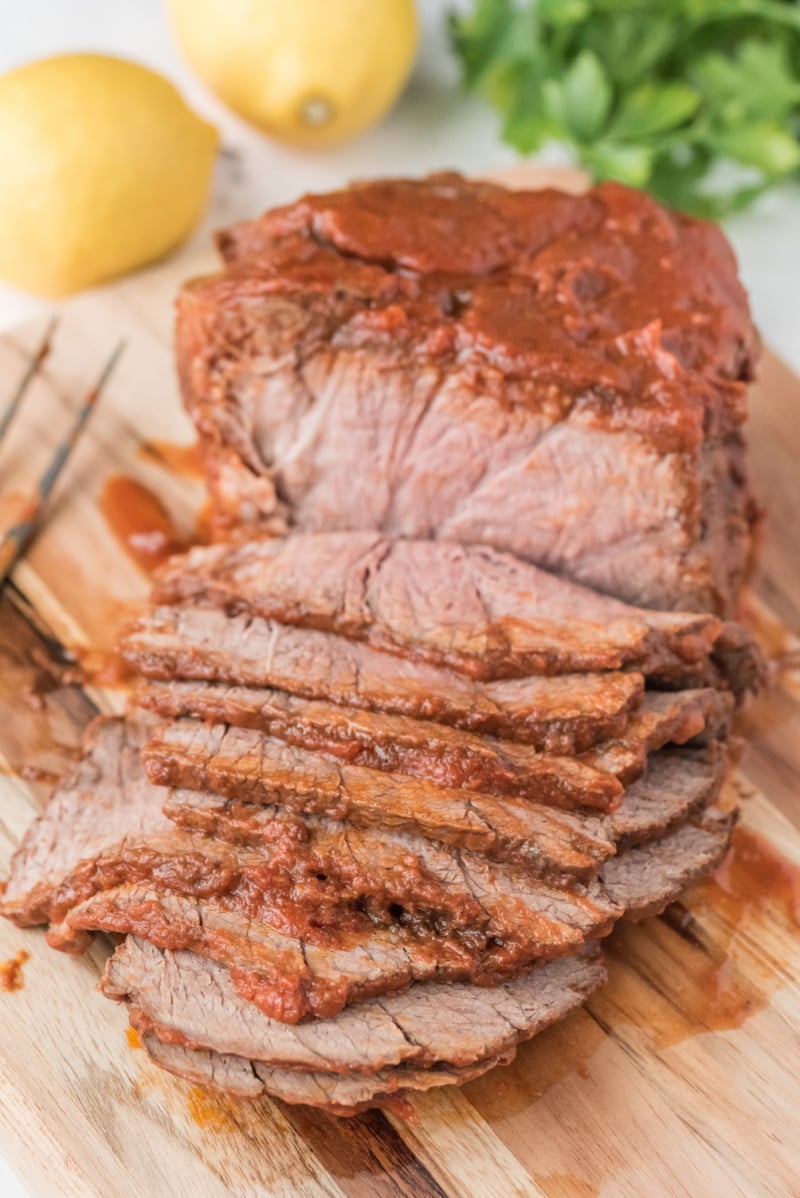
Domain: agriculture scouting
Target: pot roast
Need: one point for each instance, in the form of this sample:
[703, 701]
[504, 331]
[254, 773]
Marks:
[451, 691]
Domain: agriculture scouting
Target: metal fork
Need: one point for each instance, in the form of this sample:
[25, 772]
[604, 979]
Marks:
[17, 538]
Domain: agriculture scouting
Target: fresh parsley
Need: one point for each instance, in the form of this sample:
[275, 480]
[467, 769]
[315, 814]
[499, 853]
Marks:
[698, 101]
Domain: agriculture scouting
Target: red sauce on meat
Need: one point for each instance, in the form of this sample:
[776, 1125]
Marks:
[11, 977]
[284, 893]
[603, 301]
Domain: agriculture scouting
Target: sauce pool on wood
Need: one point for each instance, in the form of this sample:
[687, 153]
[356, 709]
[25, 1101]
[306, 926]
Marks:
[143, 526]
[755, 879]
[706, 983]
[752, 886]
[139, 521]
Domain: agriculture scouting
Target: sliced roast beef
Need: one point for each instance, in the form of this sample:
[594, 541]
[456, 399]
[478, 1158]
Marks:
[103, 803]
[701, 716]
[237, 764]
[241, 764]
[289, 979]
[195, 1024]
[678, 783]
[562, 715]
[561, 377]
[340, 1094]
[450, 756]
[189, 1000]
[644, 881]
[192, 892]
[481, 612]
[314, 881]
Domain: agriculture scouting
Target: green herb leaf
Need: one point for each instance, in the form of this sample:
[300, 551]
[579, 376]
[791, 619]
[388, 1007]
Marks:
[652, 109]
[481, 40]
[624, 163]
[757, 83]
[528, 124]
[581, 100]
[625, 48]
[563, 12]
[697, 100]
[766, 147]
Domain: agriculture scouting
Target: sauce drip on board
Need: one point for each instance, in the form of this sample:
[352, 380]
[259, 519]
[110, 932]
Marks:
[104, 667]
[144, 527]
[701, 949]
[208, 1111]
[11, 977]
[183, 460]
[133, 1037]
[755, 880]
[140, 522]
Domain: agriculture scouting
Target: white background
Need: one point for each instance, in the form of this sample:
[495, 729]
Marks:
[433, 127]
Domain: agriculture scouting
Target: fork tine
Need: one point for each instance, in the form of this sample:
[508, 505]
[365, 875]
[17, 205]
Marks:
[30, 373]
[50, 476]
[20, 533]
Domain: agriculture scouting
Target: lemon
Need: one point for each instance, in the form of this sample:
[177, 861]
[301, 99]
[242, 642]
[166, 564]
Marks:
[310, 72]
[104, 168]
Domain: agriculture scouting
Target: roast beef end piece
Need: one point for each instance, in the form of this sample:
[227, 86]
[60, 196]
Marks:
[511, 402]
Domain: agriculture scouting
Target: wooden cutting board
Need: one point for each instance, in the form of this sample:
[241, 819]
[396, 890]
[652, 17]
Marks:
[680, 1079]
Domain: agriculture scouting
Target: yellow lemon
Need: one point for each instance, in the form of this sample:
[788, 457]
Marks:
[104, 168]
[310, 72]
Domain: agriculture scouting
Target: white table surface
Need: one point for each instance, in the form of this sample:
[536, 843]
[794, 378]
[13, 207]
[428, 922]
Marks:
[433, 127]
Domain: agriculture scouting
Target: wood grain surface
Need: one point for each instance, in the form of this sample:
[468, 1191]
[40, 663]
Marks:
[679, 1080]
